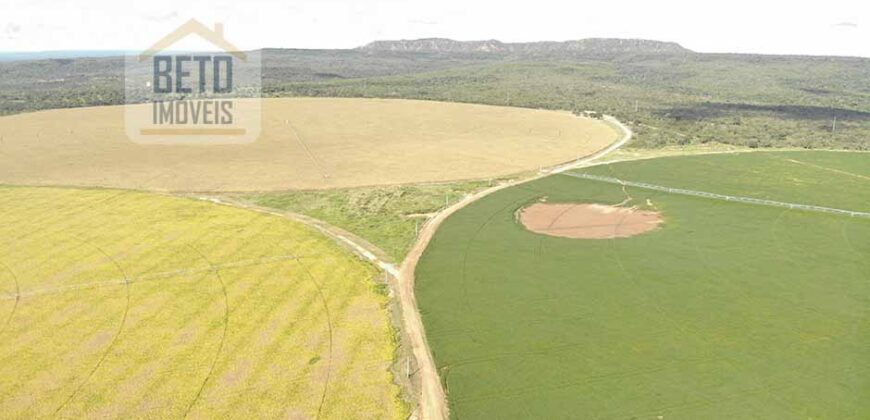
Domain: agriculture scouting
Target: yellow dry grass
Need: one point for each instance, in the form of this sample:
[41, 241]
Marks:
[306, 143]
[125, 304]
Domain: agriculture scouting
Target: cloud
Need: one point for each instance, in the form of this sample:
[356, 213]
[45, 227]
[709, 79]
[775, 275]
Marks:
[422, 22]
[846, 25]
[11, 31]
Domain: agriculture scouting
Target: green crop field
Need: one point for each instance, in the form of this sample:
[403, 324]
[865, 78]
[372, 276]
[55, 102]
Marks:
[123, 304]
[729, 310]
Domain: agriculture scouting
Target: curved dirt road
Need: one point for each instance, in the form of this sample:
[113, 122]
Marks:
[433, 401]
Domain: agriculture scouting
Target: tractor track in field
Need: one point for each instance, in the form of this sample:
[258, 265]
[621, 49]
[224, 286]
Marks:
[17, 297]
[115, 337]
[329, 325]
[825, 168]
[317, 163]
[149, 278]
[226, 323]
[432, 398]
[464, 265]
[844, 232]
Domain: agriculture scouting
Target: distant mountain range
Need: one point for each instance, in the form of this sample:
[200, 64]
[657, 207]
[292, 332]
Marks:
[584, 47]
[589, 46]
[673, 95]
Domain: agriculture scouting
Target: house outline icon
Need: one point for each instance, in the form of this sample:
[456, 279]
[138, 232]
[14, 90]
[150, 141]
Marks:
[194, 27]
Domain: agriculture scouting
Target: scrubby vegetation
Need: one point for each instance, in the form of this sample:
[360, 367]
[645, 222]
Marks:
[388, 217]
[739, 100]
[668, 98]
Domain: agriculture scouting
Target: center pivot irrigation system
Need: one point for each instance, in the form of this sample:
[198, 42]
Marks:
[714, 196]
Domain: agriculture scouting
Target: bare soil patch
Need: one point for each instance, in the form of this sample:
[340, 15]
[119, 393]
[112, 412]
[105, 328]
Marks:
[588, 221]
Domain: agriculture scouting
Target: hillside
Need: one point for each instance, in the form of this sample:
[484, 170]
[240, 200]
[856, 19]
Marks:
[587, 47]
[669, 95]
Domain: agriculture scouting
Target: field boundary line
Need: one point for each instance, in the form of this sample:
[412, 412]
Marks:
[357, 246]
[367, 251]
[432, 397]
[721, 197]
[433, 401]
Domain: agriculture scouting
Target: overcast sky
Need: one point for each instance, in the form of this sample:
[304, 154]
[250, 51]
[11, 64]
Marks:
[832, 27]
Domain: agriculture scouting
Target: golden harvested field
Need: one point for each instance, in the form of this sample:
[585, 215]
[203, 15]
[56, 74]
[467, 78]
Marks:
[124, 304]
[306, 143]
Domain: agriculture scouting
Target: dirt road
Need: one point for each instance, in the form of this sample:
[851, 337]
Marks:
[433, 399]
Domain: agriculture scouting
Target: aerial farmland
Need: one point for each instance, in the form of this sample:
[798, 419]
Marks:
[307, 143]
[721, 306]
[271, 215]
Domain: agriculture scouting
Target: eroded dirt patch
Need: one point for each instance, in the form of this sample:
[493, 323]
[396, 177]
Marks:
[588, 221]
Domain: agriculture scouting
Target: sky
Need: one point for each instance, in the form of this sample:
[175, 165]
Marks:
[831, 27]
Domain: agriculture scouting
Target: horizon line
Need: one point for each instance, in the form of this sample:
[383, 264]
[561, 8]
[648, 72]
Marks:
[104, 52]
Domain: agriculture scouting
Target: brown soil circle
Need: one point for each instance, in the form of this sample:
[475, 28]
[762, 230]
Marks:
[588, 221]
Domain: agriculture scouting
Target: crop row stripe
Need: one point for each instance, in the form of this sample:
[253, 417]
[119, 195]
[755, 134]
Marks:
[714, 196]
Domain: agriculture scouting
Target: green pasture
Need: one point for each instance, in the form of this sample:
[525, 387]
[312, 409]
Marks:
[728, 311]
